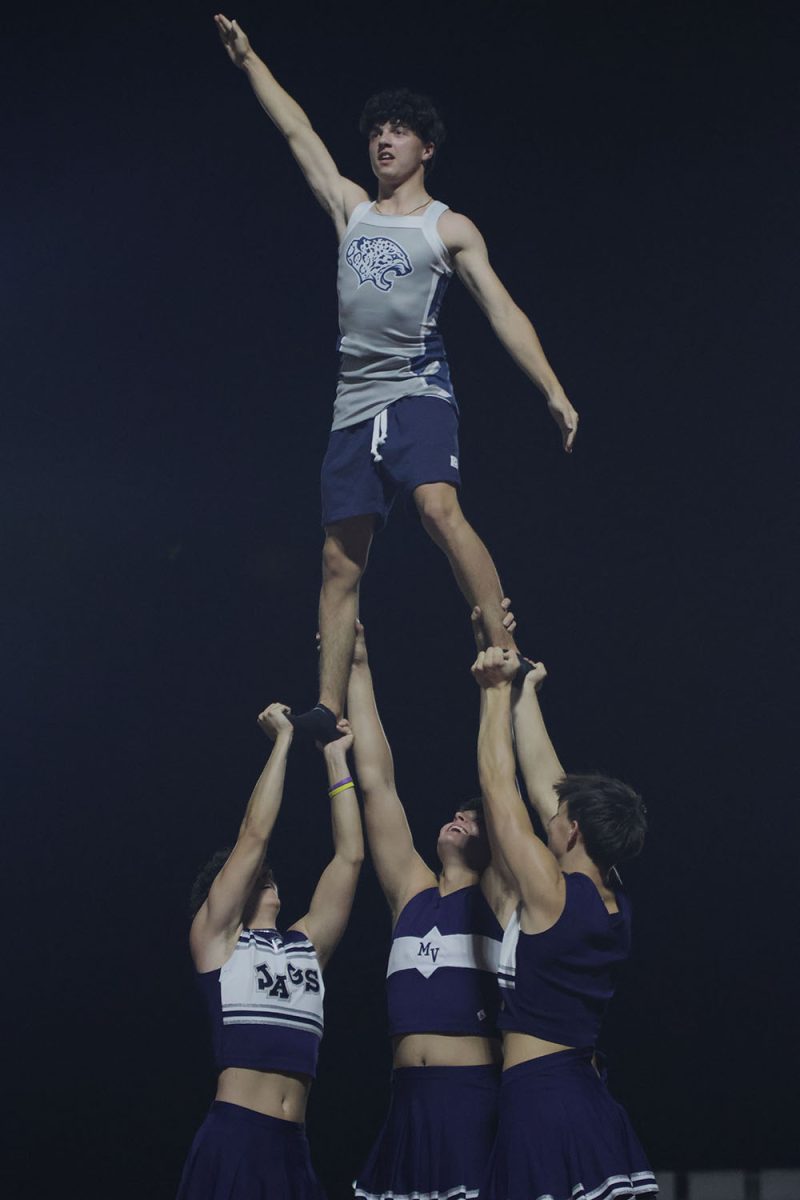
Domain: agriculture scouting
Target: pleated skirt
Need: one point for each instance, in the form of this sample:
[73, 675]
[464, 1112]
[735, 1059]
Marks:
[562, 1136]
[239, 1154]
[437, 1138]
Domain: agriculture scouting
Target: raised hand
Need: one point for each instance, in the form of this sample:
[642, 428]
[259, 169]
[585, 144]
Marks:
[274, 720]
[233, 38]
[535, 677]
[565, 418]
[495, 668]
[339, 748]
[360, 647]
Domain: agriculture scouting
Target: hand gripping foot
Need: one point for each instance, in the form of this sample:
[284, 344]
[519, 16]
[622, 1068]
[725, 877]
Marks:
[319, 723]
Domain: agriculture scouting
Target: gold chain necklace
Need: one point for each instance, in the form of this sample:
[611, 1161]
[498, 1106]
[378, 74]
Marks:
[424, 204]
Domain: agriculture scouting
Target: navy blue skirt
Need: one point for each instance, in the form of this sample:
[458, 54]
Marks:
[562, 1136]
[437, 1138]
[239, 1154]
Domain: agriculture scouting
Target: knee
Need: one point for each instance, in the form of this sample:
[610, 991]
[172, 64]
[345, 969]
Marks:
[340, 568]
[440, 513]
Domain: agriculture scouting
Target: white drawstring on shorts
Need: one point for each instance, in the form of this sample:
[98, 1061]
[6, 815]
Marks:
[379, 434]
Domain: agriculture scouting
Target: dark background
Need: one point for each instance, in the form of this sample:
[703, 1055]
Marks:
[169, 322]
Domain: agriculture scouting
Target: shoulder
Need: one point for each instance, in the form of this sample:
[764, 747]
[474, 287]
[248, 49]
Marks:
[457, 231]
[498, 894]
[411, 905]
[210, 950]
[357, 204]
[353, 195]
[580, 884]
[585, 900]
[353, 198]
[581, 890]
[296, 938]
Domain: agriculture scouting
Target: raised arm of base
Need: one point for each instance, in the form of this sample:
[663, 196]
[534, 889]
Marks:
[217, 922]
[400, 869]
[538, 761]
[536, 874]
[329, 911]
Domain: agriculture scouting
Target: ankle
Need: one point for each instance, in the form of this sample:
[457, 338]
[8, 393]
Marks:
[332, 703]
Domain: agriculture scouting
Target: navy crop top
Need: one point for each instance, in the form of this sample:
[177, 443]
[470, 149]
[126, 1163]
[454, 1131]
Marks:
[556, 985]
[265, 1003]
[441, 976]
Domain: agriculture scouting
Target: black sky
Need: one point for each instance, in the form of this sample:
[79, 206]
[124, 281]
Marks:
[169, 323]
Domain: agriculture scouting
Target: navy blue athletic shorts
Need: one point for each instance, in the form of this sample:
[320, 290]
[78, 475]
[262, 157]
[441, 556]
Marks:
[239, 1154]
[413, 441]
[561, 1134]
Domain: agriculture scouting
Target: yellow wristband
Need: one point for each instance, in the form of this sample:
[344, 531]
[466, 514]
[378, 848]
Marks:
[341, 787]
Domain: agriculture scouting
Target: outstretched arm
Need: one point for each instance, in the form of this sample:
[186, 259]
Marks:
[536, 756]
[337, 195]
[497, 882]
[328, 914]
[516, 333]
[536, 874]
[400, 869]
[217, 923]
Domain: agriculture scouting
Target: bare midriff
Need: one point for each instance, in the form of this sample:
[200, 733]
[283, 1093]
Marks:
[272, 1093]
[522, 1047]
[445, 1050]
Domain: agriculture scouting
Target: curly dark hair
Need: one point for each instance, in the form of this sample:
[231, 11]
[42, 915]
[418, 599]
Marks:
[611, 817]
[202, 884]
[418, 113]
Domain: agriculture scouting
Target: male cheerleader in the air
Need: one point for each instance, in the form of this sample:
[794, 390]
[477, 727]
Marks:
[264, 989]
[567, 933]
[395, 421]
[441, 980]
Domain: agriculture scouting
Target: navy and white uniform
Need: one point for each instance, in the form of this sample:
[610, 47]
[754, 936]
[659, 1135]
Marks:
[561, 1135]
[265, 1006]
[395, 420]
[441, 1122]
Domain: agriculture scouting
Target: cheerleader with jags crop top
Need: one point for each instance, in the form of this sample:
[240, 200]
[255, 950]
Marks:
[561, 1136]
[264, 990]
[441, 981]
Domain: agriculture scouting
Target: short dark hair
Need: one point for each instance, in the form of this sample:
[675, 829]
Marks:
[418, 113]
[202, 884]
[610, 815]
[474, 804]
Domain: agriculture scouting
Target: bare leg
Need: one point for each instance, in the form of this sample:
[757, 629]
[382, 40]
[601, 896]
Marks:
[344, 557]
[471, 562]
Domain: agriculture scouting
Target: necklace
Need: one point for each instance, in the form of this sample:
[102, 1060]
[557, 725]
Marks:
[424, 204]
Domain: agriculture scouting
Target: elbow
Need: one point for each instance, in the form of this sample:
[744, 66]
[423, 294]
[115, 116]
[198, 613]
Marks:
[375, 779]
[496, 778]
[351, 857]
[250, 834]
[499, 789]
[296, 128]
[503, 315]
[495, 794]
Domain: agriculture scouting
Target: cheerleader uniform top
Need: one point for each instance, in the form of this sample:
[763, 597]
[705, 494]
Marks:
[557, 984]
[393, 274]
[265, 1003]
[442, 970]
